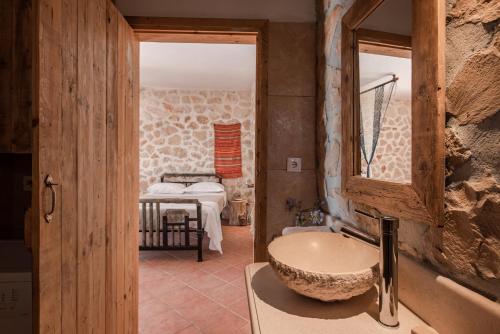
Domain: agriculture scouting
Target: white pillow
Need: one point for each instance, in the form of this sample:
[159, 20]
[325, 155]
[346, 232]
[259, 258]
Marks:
[205, 187]
[167, 188]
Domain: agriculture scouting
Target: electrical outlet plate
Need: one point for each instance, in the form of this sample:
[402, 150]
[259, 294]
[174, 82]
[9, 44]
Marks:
[294, 165]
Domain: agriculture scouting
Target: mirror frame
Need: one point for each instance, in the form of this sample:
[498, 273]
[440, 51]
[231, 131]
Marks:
[423, 199]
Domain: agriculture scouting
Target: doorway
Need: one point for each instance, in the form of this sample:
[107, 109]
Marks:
[175, 291]
[225, 31]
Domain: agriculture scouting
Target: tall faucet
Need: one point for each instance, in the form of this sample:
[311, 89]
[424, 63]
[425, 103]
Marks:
[388, 277]
[388, 264]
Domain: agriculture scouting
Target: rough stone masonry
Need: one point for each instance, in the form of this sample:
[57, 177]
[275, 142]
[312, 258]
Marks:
[467, 246]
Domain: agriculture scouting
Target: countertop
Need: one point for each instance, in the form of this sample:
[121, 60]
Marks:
[275, 309]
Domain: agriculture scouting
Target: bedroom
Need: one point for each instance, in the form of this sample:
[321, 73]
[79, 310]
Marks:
[197, 158]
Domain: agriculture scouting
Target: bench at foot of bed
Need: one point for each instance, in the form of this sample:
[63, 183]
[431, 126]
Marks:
[174, 231]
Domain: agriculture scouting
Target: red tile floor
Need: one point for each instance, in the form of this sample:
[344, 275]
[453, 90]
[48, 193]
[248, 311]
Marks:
[179, 295]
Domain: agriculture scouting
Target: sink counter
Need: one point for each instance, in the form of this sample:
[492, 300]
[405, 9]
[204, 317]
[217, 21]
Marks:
[275, 309]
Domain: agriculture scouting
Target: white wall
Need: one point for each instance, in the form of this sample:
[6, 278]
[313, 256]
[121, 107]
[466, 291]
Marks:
[274, 10]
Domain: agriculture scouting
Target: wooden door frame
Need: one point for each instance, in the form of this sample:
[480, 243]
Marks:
[230, 31]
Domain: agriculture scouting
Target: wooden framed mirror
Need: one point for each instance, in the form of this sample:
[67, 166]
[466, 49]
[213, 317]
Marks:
[393, 109]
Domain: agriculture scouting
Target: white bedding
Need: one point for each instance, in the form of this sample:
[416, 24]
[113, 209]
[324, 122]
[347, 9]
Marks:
[212, 205]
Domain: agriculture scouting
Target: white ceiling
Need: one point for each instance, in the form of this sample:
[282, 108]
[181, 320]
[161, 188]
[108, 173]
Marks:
[374, 69]
[198, 66]
[393, 16]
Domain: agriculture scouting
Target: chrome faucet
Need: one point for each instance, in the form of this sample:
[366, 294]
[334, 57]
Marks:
[388, 264]
[388, 277]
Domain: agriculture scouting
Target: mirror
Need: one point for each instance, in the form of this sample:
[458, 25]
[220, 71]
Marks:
[393, 79]
[384, 101]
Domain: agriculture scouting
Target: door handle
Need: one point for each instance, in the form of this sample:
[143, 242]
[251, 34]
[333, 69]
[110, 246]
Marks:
[49, 183]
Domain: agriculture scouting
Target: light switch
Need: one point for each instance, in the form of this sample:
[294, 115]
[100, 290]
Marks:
[294, 165]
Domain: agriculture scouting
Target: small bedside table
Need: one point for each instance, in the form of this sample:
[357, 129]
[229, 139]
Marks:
[238, 213]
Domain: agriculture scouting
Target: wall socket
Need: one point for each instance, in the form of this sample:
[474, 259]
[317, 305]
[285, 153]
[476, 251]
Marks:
[294, 165]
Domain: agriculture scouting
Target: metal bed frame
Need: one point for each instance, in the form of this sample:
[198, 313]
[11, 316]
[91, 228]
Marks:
[189, 179]
[157, 233]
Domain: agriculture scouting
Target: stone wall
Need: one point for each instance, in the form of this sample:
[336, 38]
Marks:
[392, 158]
[467, 246]
[177, 134]
[329, 127]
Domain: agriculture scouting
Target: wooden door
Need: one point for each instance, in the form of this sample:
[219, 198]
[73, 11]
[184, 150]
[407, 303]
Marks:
[86, 138]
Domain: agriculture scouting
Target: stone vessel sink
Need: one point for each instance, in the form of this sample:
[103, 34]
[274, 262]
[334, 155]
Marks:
[324, 266]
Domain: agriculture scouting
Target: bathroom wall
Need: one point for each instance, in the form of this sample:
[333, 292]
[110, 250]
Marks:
[467, 246]
[291, 121]
[291, 89]
[329, 103]
[16, 21]
[15, 197]
[177, 135]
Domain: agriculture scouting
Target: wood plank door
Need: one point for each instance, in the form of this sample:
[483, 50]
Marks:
[86, 139]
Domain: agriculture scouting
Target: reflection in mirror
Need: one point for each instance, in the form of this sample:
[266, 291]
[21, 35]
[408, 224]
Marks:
[384, 105]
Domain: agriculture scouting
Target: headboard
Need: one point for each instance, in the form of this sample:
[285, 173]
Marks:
[189, 179]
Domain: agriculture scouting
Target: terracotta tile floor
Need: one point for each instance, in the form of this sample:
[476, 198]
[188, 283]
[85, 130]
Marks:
[179, 295]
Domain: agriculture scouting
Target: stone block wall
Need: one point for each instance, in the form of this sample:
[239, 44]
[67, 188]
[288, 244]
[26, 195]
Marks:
[329, 127]
[467, 246]
[177, 135]
[392, 158]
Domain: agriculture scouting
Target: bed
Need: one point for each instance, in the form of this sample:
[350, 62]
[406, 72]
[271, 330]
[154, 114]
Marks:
[203, 216]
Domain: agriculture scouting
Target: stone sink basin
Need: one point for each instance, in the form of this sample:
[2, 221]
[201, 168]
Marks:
[325, 266]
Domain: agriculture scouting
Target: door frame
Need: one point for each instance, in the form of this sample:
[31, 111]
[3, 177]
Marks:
[230, 31]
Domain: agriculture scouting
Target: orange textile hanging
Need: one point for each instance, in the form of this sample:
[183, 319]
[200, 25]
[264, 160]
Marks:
[228, 150]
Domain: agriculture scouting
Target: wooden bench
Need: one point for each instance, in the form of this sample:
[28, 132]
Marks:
[170, 230]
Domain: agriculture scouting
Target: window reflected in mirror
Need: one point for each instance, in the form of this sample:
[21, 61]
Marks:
[384, 93]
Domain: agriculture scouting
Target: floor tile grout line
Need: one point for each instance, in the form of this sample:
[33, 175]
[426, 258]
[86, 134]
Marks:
[153, 264]
[220, 304]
